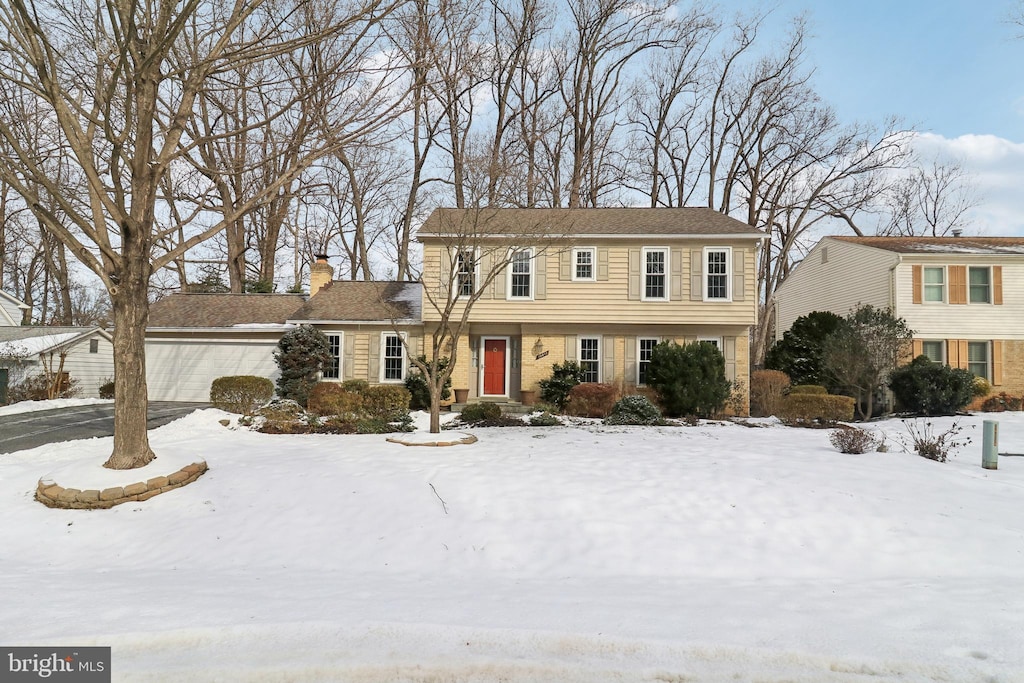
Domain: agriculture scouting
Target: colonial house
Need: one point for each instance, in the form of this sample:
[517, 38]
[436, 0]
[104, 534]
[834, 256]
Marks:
[600, 286]
[962, 296]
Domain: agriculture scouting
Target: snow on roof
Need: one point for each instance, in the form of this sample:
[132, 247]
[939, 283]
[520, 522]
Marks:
[33, 346]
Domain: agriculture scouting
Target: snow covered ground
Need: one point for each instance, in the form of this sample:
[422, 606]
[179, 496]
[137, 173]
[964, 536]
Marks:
[589, 553]
[35, 406]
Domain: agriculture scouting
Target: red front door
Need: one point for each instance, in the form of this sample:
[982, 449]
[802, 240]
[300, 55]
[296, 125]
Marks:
[494, 367]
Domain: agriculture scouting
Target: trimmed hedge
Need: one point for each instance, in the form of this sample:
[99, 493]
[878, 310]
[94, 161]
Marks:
[813, 389]
[240, 393]
[824, 408]
[591, 399]
[386, 402]
[330, 398]
[478, 412]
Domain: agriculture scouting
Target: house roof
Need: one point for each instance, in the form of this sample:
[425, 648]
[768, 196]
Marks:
[606, 222]
[29, 341]
[940, 245]
[223, 310]
[348, 300]
[4, 315]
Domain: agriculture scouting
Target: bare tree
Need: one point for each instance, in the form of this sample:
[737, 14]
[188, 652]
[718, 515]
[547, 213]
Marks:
[121, 78]
[933, 199]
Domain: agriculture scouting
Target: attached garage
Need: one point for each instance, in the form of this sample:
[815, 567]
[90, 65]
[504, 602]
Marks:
[182, 369]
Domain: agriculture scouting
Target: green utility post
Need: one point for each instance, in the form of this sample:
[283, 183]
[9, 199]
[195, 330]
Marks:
[990, 445]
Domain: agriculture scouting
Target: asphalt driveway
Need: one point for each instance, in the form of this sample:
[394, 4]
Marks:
[28, 430]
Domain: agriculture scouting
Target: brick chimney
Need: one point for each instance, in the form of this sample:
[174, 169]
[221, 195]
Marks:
[320, 273]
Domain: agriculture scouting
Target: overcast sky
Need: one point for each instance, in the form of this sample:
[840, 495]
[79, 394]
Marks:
[952, 69]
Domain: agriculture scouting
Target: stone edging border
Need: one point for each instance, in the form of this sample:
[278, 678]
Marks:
[53, 495]
[464, 441]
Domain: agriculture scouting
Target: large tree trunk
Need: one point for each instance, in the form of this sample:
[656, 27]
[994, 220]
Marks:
[131, 315]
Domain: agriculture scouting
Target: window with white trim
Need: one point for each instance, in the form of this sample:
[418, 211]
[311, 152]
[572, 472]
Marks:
[392, 358]
[520, 277]
[332, 368]
[716, 273]
[714, 341]
[655, 273]
[590, 358]
[644, 349]
[978, 359]
[935, 350]
[465, 273]
[979, 285]
[583, 266]
[935, 284]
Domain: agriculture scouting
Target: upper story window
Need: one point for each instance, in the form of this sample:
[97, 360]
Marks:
[979, 285]
[716, 273]
[935, 284]
[392, 366]
[644, 349]
[583, 264]
[590, 358]
[655, 274]
[465, 273]
[332, 369]
[934, 350]
[520, 269]
[94, 346]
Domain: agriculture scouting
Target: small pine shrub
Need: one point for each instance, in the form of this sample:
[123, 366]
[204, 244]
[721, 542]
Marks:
[926, 388]
[106, 389]
[330, 398]
[852, 440]
[544, 419]
[635, 409]
[817, 408]
[689, 379]
[240, 393]
[478, 412]
[555, 390]
[301, 354]
[813, 389]
[767, 390]
[386, 402]
[419, 389]
[591, 399]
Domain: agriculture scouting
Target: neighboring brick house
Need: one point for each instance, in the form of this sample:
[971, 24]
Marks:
[962, 296]
[599, 286]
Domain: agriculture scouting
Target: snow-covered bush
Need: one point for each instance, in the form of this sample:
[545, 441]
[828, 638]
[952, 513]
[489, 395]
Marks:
[634, 410]
[544, 419]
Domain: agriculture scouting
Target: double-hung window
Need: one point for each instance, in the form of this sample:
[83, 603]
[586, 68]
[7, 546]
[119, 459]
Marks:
[583, 264]
[716, 273]
[714, 341]
[465, 273]
[392, 358]
[590, 358]
[934, 350]
[644, 349]
[655, 273]
[332, 368]
[935, 284]
[520, 284]
[979, 285]
[978, 359]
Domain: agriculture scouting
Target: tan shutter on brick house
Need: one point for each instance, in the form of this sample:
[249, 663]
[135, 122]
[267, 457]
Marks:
[918, 344]
[918, 289]
[957, 284]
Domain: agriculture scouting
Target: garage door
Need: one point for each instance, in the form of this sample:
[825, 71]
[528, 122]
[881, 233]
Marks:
[183, 370]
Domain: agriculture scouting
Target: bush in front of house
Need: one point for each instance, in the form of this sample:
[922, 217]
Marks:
[479, 412]
[544, 419]
[767, 390]
[331, 398]
[690, 379]
[852, 440]
[240, 393]
[591, 399]
[635, 409]
[419, 388]
[810, 409]
[555, 389]
[300, 355]
[812, 389]
[386, 402]
[106, 390]
[41, 388]
[1001, 402]
[923, 387]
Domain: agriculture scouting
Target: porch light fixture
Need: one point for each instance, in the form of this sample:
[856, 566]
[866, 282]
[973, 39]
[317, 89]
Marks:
[538, 347]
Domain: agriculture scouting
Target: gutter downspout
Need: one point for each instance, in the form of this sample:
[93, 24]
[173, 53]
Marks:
[892, 283]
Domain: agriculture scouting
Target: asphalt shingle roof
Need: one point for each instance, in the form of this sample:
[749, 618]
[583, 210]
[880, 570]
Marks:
[223, 310]
[345, 300]
[568, 222]
[941, 245]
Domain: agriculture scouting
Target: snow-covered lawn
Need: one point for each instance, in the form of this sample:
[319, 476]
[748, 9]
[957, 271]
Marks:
[34, 406]
[709, 553]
